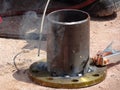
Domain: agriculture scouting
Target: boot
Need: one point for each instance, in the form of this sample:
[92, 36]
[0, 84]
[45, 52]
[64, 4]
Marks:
[103, 8]
[99, 7]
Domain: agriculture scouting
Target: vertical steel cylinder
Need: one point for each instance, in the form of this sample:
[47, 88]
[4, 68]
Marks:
[68, 41]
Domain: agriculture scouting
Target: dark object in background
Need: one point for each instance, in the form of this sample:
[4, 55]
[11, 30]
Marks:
[94, 7]
[99, 7]
[104, 7]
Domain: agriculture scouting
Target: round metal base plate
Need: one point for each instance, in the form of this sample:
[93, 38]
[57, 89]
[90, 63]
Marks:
[44, 78]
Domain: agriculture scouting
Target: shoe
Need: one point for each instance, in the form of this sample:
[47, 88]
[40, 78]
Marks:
[104, 7]
[98, 7]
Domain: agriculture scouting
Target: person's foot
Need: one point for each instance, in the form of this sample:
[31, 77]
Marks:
[99, 7]
[104, 7]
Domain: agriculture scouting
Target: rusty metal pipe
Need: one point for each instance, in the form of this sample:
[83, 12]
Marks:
[68, 41]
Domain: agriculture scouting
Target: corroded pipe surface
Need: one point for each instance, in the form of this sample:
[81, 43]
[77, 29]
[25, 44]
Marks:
[68, 42]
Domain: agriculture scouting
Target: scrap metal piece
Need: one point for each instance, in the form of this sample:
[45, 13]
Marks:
[113, 58]
[107, 56]
[44, 78]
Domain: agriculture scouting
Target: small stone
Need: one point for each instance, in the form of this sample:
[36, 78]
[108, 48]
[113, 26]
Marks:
[111, 22]
[105, 25]
[112, 75]
[100, 87]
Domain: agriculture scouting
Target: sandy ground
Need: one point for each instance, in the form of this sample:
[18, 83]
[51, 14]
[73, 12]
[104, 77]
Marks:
[102, 32]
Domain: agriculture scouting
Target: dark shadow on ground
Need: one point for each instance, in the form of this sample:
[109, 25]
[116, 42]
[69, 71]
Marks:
[22, 75]
[106, 18]
[113, 64]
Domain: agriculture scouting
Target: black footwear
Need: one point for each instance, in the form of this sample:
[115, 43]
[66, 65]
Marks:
[98, 7]
[104, 7]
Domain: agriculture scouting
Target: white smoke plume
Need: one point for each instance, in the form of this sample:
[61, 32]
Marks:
[30, 27]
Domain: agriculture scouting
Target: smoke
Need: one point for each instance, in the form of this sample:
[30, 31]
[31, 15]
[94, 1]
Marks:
[30, 27]
[29, 24]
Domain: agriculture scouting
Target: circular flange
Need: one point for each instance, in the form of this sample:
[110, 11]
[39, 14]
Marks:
[43, 77]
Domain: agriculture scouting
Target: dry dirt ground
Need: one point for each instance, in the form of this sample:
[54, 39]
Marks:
[102, 32]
